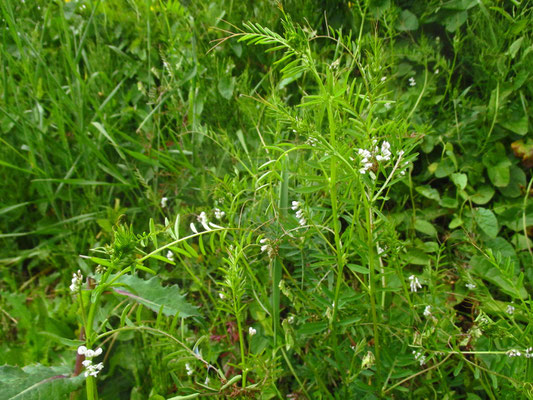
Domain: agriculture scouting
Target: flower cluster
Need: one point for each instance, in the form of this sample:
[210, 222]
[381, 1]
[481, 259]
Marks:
[470, 286]
[412, 81]
[299, 213]
[170, 255]
[311, 141]
[377, 154]
[77, 280]
[164, 201]
[219, 214]
[528, 353]
[427, 312]
[252, 331]
[90, 368]
[510, 310]
[414, 283]
[266, 246]
[202, 219]
[420, 357]
[189, 369]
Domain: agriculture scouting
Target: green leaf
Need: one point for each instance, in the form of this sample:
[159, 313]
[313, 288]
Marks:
[429, 192]
[487, 221]
[37, 382]
[226, 85]
[482, 195]
[407, 21]
[453, 21]
[515, 46]
[425, 227]
[484, 269]
[444, 168]
[155, 296]
[497, 165]
[460, 180]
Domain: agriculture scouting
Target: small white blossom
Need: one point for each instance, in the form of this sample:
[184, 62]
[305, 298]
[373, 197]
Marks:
[219, 214]
[388, 106]
[164, 201]
[414, 283]
[222, 296]
[383, 79]
[251, 331]
[427, 311]
[193, 228]
[436, 71]
[90, 368]
[529, 352]
[510, 310]
[77, 280]
[513, 353]
[93, 370]
[420, 357]
[470, 286]
[412, 81]
[202, 218]
[170, 255]
[189, 369]
[295, 205]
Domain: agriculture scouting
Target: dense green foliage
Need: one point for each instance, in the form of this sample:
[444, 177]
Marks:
[264, 200]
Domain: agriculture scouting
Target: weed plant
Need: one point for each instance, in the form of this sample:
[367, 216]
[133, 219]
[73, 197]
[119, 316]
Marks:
[259, 200]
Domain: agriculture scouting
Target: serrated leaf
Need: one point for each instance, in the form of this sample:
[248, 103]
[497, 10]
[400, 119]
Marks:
[487, 221]
[37, 382]
[155, 296]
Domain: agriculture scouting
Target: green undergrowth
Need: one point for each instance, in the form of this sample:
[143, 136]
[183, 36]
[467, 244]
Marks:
[266, 200]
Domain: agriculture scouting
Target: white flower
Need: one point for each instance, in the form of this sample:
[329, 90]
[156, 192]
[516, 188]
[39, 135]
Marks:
[513, 353]
[202, 218]
[436, 71]
[412, 81]
[295, 205]
[380, 250]
[77, 280]
[419, 357]
[90, 368]
[529, 352]
[470, 286]
[170, 255]
[219, 214]
[388, 106]
[251, 331]
[189, 369]
[414, 283]
[383, 79]
[222, 296]
[93, 370]
[164, 201]
[427, 311]
[510, 310]
[193, 228]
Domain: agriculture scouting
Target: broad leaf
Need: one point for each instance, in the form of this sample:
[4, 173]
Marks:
[37, 382]
[487, 221]
[153, 295]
